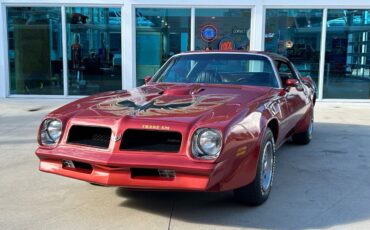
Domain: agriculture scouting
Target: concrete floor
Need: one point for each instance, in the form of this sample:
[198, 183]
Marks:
[323, 185]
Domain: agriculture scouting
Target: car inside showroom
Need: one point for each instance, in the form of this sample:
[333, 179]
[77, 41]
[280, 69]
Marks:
[60, 49]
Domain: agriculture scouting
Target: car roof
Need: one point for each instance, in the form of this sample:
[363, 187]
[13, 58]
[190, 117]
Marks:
[273, 56]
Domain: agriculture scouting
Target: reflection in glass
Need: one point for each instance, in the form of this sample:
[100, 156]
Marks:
[296, 34]
[222, 29]
[347, 58]
[35, 50]
[160, 33]
[94, 50]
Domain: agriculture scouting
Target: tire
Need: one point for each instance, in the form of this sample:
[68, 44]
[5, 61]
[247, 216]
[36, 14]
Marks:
[257, 192]
[305, 137]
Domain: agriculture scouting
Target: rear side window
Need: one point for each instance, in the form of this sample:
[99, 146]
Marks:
[285, 71]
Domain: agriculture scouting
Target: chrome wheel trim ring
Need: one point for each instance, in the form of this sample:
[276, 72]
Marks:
[267, 166]
[310, 128]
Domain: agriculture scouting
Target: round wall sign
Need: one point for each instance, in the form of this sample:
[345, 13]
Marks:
[226, 44]
[208, 33]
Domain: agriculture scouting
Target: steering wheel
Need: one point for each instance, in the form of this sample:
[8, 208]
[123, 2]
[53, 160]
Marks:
[243, 80]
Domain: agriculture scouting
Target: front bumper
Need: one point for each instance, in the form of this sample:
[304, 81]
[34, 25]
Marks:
[115, 169]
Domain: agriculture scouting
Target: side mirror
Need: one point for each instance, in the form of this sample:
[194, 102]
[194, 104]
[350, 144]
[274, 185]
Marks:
[291, 83]
[307, 79]
[309, 82]
[147, 79]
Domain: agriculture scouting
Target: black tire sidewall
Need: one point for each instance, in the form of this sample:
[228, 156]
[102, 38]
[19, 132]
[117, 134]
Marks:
[305, 137]
[253, 194]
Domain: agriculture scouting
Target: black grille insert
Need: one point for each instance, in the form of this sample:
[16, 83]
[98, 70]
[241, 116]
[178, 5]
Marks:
[90, 136]
[151, 140]
[143, 173]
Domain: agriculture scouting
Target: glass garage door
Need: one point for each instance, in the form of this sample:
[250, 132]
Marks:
[94, 50]
[160, 33]
[296, 34]
[347, 61]
[35, 50]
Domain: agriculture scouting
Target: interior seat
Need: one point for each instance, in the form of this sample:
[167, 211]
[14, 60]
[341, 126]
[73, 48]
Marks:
[259, 79]
[208, 76]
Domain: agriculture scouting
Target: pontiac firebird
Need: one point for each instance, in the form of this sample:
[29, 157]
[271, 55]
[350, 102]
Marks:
[206, 121]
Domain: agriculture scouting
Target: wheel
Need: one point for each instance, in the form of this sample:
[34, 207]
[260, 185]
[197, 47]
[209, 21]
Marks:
[258, 191]
[305, 137]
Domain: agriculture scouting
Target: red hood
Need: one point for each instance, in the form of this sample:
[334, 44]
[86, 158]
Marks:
[168, 102]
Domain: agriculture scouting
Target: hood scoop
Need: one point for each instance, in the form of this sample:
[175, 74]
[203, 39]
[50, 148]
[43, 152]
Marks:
[181, 90]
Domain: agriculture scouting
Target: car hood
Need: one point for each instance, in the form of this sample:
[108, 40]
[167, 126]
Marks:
[169, 102]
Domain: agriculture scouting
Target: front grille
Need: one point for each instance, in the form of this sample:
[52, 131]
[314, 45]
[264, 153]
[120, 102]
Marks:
[89, 136]
[151, 140]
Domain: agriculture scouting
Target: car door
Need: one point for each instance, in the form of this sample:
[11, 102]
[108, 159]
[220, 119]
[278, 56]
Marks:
[295, 95]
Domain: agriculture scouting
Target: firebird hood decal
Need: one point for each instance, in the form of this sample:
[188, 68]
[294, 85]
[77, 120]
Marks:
[164, 105]
[186, 103]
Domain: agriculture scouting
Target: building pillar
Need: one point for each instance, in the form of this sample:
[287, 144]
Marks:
[128, 39]
[322, 55]
[3, 53]
[257, 35]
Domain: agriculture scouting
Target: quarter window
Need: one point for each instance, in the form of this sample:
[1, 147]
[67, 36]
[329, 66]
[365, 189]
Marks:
[285, 71]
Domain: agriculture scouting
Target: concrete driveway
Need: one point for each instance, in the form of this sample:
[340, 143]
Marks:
[323, 185]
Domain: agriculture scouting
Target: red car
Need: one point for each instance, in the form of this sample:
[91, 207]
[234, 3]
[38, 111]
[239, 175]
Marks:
[206, 121]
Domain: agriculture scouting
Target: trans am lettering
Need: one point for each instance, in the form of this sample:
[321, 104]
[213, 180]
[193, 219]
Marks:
[162, 127]
[163, 105]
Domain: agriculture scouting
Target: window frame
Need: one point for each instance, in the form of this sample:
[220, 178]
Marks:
[295, 72]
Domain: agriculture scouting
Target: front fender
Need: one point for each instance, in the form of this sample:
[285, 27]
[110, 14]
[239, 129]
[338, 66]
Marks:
[242, 148]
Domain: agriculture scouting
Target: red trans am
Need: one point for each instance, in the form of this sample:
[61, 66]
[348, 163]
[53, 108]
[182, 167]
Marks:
[206, 121]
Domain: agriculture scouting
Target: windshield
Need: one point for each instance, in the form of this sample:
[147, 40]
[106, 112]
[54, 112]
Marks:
[216, 68]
